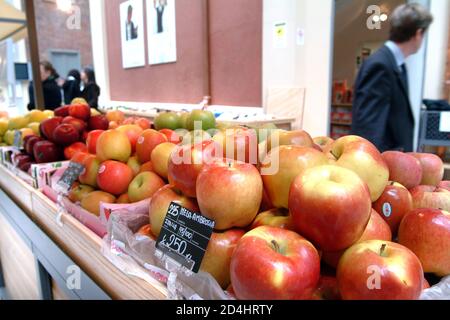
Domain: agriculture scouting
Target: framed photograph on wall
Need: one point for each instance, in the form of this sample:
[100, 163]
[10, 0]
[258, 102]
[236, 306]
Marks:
[132, 33]
[162, 37]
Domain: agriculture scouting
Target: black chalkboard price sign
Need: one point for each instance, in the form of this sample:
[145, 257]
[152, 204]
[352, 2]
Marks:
[18, 139]
[184, 236]
[69, 176]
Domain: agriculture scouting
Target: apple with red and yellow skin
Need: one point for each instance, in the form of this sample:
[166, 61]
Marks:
[160, 158]
[160, 202]
[332, 222]
[116, 115]
[217, 258]
[113, 125]
[113, 145]
[289, 138]
[430, 197]
[289, 162]
[379, 270]
[185, 164]
[171, 135]
[363, 158]
[147, 142]
[91, 140]
[146, 231]
[148, 166]
[133, 133]
[114, 177]
[432, 168]
[444, 185]
[239, 144]
[274, 264]
[135, 165]
[426, 284]
[426, 232]
[393, 204]
[91, 201]
[323, 142]
[143, 123]
[123, 199]
[239, 182]
[144, 186]
[266, 204]
[377, 229]
[71, 150]
[78, 192]
[89, 175]
[80, 111]
[273, 218]
[403, 168]
[327, 289]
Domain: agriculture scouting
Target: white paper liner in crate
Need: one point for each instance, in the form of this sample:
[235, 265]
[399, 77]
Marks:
[441, 291]
[122, 243]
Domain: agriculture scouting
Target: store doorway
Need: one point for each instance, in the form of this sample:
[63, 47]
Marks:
[367, 23]
[65, 60]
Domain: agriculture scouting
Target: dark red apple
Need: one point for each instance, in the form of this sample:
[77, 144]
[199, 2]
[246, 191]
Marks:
[48, 126]
[98, 123]
[46, 151]
[80, 111]
[77, 123]
[66, 134]
[62, 111]
[29, 142]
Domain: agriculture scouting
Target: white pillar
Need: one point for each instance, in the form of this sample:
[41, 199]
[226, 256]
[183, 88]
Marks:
[436, 59]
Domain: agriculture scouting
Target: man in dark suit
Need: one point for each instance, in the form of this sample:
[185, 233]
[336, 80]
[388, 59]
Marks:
[130, 30]
[382, 110]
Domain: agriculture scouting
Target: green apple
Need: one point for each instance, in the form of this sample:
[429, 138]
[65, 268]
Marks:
[206, 118]
[167, 120]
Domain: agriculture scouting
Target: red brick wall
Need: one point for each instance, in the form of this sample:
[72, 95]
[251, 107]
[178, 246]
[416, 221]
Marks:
[54, 34]
[447, 78]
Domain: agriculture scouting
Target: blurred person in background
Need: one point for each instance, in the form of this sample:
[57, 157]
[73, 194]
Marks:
[71, 86]
[91, 91]
[382, 110]
[52, 92]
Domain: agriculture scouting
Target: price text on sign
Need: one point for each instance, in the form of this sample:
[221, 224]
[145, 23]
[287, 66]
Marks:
[185, 236]
[71, 174]
[18, 139]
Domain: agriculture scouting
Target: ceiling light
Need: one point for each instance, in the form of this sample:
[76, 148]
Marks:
[383, 17]
[376, 18]
[64, 5]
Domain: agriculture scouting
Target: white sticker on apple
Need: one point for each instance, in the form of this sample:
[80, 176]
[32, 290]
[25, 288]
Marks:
[387, 209]
[141, 140]
[102, 169]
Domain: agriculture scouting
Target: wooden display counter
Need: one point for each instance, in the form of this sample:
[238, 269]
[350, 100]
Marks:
[58, 247]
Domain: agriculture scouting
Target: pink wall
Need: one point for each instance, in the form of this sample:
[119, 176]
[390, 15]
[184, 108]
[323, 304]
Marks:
[235, 74]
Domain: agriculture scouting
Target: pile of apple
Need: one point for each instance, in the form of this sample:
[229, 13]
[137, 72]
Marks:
[335, 206]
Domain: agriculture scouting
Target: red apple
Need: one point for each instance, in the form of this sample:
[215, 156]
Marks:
[160, 203]
[377, 229]
[80, 111]
[363, 158]
[70, 151]
[89, 175]
[403, 168]
[236, 181]
[432, 168]
[29, 142]
[147, 142]
[426, 284]
[444, 185]
[77, 123]
[379, 270]
[218, 255]
[22, 161]
[143, 123]
[46, 152]
[274, 264]
[186, 163]
[394, 203]
[62, 111]
[330, 221]
[113, 145]
[91, 201]
[327, 289]
[289, 138]
[430, 197]
[116, 116]
[133, 133]
[171, 135]
[323, 142]
[91, 140]
[48, 126]
[427, 233]
[239, 144]
[123, 199]
[146, 231]
[114, 177]
[273, 218]
[66, 134]
[144, 186]
[98, 123]
[80, 157]
[148, 166]
[287, 162]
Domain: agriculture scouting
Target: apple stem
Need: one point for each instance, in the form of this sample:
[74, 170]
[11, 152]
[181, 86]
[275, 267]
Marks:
[333, 154]
[391, 183]
[275, 246]
[382, 249]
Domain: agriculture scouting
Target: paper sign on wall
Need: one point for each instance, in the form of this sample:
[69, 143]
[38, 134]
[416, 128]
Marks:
[280, 35]
[300, 37]
[444, 125]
